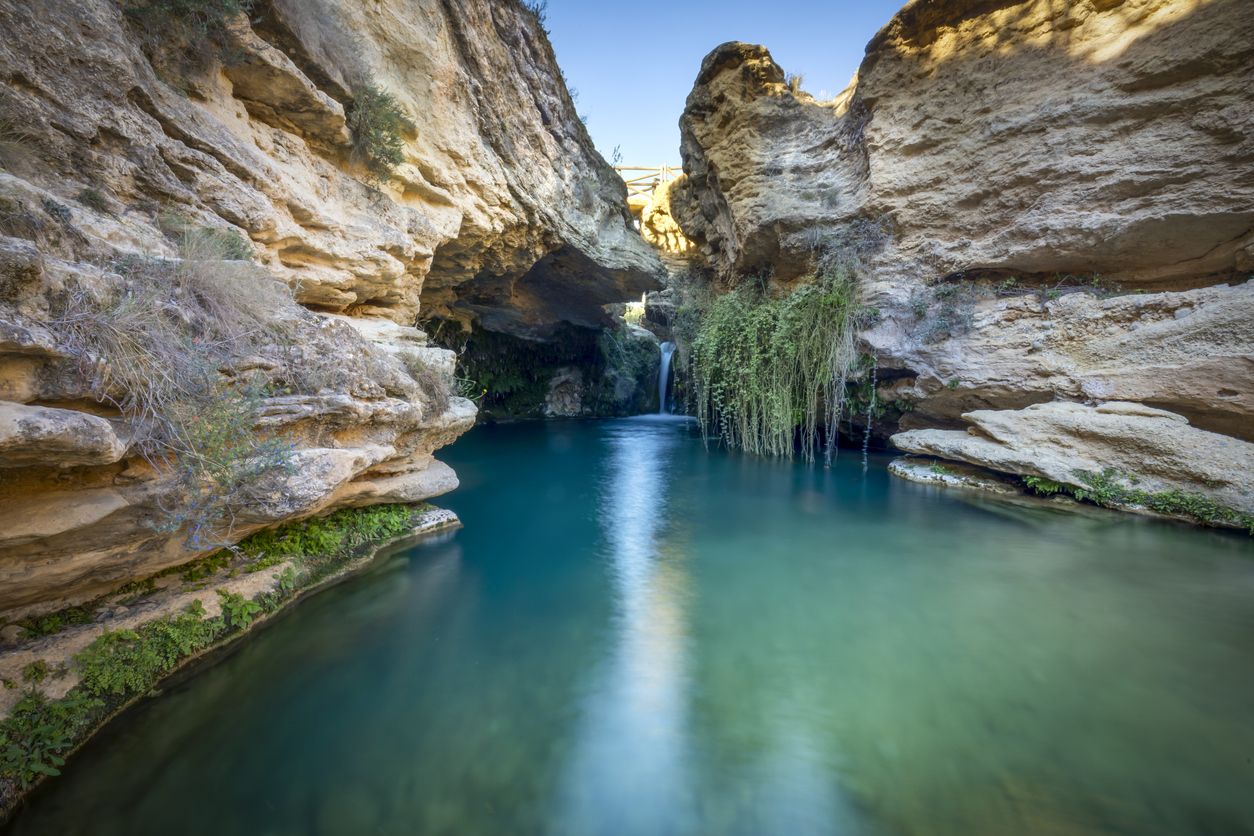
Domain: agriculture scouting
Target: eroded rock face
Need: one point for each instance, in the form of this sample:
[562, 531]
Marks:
[1006, 155]
[1109, 137]
[1063, 441]
[501, 213]
[657, 221]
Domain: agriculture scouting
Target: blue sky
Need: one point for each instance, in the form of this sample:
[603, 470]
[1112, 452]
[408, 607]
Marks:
[634, 63]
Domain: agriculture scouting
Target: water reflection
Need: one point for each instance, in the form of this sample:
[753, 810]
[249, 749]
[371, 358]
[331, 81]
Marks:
[628, 771]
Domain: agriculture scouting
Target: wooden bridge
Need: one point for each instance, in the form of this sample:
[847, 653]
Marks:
[642, 180]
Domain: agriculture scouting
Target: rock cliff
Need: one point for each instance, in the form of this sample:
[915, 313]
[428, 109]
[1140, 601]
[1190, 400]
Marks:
[1054, 201]
[197, 202]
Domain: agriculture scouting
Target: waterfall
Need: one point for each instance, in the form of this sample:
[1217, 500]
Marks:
[663, 375]
[870, 410]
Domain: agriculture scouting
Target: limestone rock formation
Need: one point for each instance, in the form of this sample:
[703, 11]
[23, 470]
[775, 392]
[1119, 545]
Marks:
[657, 221]
[119, 144]
[1062, 441]
[1019, 135]
[1053, 201]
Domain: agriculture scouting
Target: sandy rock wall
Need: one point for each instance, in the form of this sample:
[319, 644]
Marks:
[500, 213]
[1060, 196]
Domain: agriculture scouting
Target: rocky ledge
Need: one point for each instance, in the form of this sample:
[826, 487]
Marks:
[1118, 453]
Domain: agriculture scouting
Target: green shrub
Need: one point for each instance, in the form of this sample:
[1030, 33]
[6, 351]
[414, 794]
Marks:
[237, 611]
[38, 731]
[624, 376]
[287, 580]
[199, 243]
[35, 672]
[539, 9]
[59, 212]
[336, 534]
[378, 126]
[123, 664]
[763, 367]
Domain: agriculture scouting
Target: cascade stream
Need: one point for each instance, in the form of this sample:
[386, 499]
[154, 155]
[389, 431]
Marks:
[663, 376]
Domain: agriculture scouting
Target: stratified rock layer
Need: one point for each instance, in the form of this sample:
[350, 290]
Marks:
[500, 212]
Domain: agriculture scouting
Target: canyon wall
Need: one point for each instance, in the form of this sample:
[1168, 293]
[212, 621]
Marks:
[184, 187]
[1054, 201]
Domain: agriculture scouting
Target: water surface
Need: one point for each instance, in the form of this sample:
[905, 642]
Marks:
[634, 635]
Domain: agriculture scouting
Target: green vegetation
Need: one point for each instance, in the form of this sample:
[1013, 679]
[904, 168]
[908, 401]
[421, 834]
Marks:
[1045, 487]
[237, 611]
[128, 663]
[59, 212]
[947, 308]
[125, 664]
[763, 367]
[197, 242]
[38, 732]
[320, 545]
[122, 665]
[944, 310]
[628, 369]
[55, 622]
[538, 9]
[35, 672]
[378, 126]
[1112, 489]
[775, 370]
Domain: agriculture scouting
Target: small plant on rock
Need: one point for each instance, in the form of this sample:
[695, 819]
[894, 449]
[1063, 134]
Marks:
[237, 611]
[35, 672]
[378, 126]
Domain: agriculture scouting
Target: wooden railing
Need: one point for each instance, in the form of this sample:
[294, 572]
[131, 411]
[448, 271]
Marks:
[642, 180]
